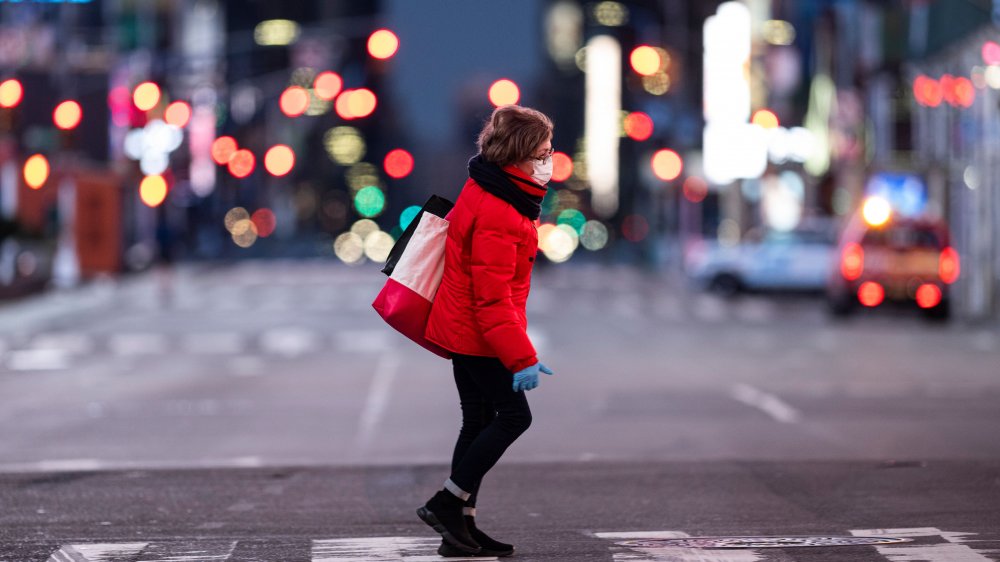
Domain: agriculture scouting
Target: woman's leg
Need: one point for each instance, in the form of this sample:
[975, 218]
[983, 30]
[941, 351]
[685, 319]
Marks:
[493, 385]
[477, 414]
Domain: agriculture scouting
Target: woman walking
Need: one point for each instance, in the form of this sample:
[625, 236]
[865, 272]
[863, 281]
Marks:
[479, 314]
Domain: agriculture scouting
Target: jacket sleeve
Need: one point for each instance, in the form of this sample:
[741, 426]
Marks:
[493, 263]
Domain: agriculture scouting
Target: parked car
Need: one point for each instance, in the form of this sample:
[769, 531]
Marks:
[771, 260]
[902, 261]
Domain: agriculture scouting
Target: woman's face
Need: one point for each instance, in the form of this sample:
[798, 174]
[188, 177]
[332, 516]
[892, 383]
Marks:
[540, 153]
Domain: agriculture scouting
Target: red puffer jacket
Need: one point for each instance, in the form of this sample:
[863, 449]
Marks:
[479, 308]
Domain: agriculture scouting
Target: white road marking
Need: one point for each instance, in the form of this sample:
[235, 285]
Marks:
[675, 554]
[38, 360]
[378, 398]
[952, 551]
[116, 552]
[69, 465]
[226, 343]
[195, 551]
[378, 549]
[363, 341]
[69, 342]
[137, 344]
[288, 342]
[76, 465]
[767, 403]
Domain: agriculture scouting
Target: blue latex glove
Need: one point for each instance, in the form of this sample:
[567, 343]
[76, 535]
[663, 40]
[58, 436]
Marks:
[527, 378]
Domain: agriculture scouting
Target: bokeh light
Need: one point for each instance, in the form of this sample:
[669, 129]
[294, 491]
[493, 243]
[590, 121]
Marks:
[327, 85]
[344, 145]
[244, 233]
[398, 163]
[234, 216]
[153, 190]
[635, 228]
[991, 52]
[361, 103]
[146, 96]
[963, 92]
[178, 114]
[871, 294]
[223, 149]
[294, 101]
[361, 175]
[265, 221]
[645, 60]
[504, 92]
[407, 216]
[876, 211]
[557, 242]
[67, 115]
[364, 227]
[349, 248]
[562, 166]
[573, 218]
[242, 163]
[667, 164]
[594, 235]
[695, 189]
[382, 44]
[928, 295]
[11, 93]
[377, 246]
[369, 201]
[36, 171]
[927, 91]
[278, 161]
[765, 118]
[638, 126]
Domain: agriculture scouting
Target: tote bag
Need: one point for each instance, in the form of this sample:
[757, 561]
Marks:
[415, 266]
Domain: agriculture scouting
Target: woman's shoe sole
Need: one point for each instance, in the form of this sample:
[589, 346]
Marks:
[427, 516]
[448, 551]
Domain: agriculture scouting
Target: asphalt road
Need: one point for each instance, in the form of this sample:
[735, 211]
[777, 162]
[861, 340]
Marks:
[265, 408]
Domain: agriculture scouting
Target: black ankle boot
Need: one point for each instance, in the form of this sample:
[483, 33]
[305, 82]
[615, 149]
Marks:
[443, 513]
[490, 546]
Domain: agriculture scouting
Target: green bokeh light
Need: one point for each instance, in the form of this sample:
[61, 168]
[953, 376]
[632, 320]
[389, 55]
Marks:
[369, 201]
[572, 218]
[407, 216]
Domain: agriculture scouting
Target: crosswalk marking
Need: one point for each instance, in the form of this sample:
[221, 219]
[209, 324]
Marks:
[113, 552]
[675, 554]
[379, 549]
[195, 552]
[952, 551]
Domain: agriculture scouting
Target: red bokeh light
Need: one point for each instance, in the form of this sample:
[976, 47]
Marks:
[178, 114]
[355, 104]
[635, 228]
[991, 53]
[927, 91]
[242, 163]
[638, 126]
[294, 101]
[398, 163]
[223, 149]
[928, 295]
[562, 166]
[871, 294]
[67, 115]
[695, 189]
[265, 221]
[327, 85]
[963, 92]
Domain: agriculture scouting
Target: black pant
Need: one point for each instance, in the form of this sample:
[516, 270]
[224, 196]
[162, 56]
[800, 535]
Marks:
[493, 416]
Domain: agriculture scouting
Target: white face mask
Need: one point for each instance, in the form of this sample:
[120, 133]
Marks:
[542, 171]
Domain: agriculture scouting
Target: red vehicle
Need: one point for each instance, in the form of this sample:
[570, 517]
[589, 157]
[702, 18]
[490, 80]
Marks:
[893, 261]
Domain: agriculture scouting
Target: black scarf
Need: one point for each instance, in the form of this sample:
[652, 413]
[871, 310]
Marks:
[496, 181]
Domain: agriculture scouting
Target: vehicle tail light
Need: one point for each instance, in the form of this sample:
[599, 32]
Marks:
[928, 295]
[871, 294]
[948, 266]
[852, 262]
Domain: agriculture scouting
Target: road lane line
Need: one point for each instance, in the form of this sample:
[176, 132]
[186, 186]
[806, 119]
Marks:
[765, 402]
[378, 398]
[952, 551]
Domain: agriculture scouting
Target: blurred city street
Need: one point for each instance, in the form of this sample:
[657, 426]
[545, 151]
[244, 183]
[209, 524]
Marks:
[670, 410]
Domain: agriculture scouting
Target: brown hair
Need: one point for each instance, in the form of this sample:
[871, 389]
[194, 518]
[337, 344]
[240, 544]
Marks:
[512, 134]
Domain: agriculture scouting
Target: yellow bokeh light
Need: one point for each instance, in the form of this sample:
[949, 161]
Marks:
[11, 93]
[67, 115]
[377, 246]
[362, 175]
[36, 171]
[345, 145]
[645, 60]
[349, 248]
[559, 242]
[876, 211]
[364, 228]
[765, 118]
[611, 14]
[245, 233]
[504, 92]
[235, 215]
[656, 84]
[146, 96]
[383, 44]
[153, 190]
[276, 32]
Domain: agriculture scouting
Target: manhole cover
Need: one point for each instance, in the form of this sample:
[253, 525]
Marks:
[759, 542]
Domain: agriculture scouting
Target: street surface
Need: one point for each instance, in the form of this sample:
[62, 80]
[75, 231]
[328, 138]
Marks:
[262, 411]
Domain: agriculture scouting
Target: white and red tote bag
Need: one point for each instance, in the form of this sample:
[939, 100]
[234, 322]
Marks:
[415, 267]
